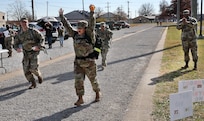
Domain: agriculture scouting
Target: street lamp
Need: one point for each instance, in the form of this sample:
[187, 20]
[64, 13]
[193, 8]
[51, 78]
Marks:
[201, 18]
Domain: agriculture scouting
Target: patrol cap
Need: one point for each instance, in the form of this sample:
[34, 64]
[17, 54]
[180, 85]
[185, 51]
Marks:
[185, 12]
[24, 19]
[103, 24]
[82, 24]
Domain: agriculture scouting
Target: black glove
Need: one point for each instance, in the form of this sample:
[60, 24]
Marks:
[95, 53]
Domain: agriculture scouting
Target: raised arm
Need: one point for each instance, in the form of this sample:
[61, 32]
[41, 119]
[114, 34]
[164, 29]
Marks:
[91, 24]
[66, 23]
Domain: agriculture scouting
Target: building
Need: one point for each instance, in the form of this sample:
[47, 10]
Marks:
[2, 19]
[144, 19]
[76, 16]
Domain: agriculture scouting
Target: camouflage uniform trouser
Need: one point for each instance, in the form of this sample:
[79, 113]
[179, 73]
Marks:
[8, 44]
[190, 45]
[30, 65]
[82, 68]
[104, 52]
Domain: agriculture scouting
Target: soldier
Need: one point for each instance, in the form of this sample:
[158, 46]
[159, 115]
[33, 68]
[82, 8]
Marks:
[61, 33]
[105, 35]
[189, 38]
[84, 64]
[9, 36]
[32, 42]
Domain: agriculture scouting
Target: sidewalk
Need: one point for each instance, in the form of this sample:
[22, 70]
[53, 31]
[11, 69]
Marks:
[141, 105]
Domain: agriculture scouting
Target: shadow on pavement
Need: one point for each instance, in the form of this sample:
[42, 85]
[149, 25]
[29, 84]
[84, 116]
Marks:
[61, 77]
[12, 95]
[13, 87]
[146, 54]
[168, 77]
[64, 114]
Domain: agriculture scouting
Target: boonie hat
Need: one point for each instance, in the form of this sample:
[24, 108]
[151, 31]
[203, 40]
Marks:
[186, 12]
[82, 24]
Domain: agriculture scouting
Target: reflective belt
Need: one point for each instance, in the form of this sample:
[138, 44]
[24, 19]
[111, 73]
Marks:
[97, 49]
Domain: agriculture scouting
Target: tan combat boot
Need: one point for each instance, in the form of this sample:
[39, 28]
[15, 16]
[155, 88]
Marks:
[79, 101]
[33, 85]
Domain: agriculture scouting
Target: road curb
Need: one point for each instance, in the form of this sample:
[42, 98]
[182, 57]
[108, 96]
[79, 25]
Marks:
[141, 105]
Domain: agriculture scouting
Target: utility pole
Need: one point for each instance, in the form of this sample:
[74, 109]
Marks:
[108, 11]
[178, 10]
[83, 5]
[201, 18]
[194, 8]
[32, 4]
[128, 9]
[47, 8]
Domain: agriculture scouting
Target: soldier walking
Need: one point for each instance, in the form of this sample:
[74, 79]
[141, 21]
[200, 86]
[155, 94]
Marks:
[189, 38]
[84, 64]
[105, 35]
[32, 42]
[8, 41]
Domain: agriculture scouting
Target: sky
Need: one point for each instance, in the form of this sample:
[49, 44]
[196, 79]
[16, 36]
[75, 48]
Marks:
[40, 6]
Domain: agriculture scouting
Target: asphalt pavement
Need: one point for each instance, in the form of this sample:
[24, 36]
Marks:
[53, 100]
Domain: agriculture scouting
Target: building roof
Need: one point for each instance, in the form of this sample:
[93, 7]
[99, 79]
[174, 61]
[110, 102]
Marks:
[106, 15]
[2, 12]
[77, 15]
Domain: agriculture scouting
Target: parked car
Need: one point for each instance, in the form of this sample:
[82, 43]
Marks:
[97, 26]
[114, 25]
[34, 25]
[124, 24]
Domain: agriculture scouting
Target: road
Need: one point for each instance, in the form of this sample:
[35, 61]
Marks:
[53, 100]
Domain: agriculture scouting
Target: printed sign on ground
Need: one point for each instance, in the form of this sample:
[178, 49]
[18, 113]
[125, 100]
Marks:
[197, 86]
[181, 105]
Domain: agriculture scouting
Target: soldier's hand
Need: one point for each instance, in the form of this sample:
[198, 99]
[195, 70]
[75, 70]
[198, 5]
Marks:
[19, 50]
[92, 8]
[184, 20]
[61, 11]
[36, 48]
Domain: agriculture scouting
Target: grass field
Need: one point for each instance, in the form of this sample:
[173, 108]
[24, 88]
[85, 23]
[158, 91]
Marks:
[171, 74]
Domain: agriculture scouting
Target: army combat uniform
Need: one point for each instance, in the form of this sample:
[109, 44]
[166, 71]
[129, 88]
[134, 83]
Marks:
[9, 37]
[189, 39]
[84, 63]
[28, 39]
[105, 36]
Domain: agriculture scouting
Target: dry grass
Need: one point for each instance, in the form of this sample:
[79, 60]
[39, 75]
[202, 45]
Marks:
[171, 74]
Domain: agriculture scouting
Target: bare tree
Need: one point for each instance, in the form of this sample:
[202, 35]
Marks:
[17, 10]
[98, 11]
[163, 5]
[146, 9]
[120, 14]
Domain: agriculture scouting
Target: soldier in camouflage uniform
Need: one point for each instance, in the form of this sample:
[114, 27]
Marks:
[105, 35]
[84, 64]
[9, 36]
[189, 38]
[32, 42]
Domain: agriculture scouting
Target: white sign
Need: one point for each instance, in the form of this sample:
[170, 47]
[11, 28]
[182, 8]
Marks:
[181, 105]
[197, 86]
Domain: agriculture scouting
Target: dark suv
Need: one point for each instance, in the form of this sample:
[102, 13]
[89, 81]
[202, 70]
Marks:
[113, 25]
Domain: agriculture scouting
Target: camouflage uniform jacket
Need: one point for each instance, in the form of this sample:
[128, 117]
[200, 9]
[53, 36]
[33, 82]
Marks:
[105, 36]
[189, 29]
[29, 39]
[82, 45]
